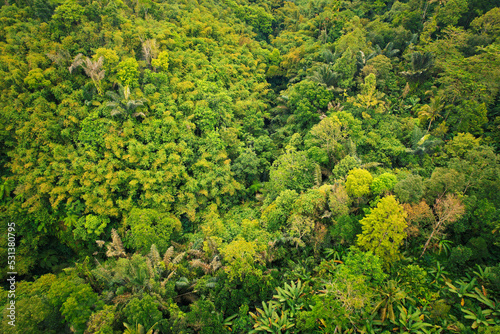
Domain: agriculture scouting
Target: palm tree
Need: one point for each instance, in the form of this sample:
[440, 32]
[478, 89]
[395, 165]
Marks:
[325, 76]
[421, 63]
[122, 104]
[388, 51]
[431, 111]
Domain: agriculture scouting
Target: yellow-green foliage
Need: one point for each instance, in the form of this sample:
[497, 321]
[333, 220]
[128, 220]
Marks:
[370, 97]
[161, 61]
[128, 71]
[358, 182]
[241, 258]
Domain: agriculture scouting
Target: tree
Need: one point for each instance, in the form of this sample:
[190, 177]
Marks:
[358, 182]
[122, 104]
[149, 50]
[142, 311]
[150, 226]
[451, 12]
[370, 98]
[461, 144]
[128, 72]
[161, 61]
[388, 51]
[345, 66]
[384, 230]
[344, 166]
[421, 63]
[338, 201]
[325, 76]
[442, 182]
[93, 69]
[241, 258]
[381, 67]
[292, 170]
[431, 111]
[329, 135]
[383, 183]
[447, 210]
[306, 101]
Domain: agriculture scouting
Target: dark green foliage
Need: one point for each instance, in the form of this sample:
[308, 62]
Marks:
[306, 101]
[410, 189]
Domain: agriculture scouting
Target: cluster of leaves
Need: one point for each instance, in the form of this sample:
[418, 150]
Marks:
[322, 166]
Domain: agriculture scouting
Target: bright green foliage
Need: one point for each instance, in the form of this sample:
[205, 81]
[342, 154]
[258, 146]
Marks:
[354, 40]
[78, 307]
[304, 100]
[75, 299]
[343, 301]
[330, 136]
[142, 311]
[383, 183]
[279, 314]
[415, 279]
[148, 227]
[278, 212]
[358, 182]
[223, 141]
[258, 18]
[292, 170]
[450, 13]
[90, 226]
[384, 230]
[381, 67]
[102, 322]
[366, 264]
[35, 313]
[68, 15]
[370, 98]
[128, 71]
[161, 61]
[346, 67]
[344, 166]
[36, 79]
[269, 320]
[241, 258]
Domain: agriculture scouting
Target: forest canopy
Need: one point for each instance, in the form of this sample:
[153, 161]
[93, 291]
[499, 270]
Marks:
[237, 166]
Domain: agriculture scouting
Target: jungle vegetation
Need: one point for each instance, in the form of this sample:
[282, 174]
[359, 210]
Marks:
[251, 166]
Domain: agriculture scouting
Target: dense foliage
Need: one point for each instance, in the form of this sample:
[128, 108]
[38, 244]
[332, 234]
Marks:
[202, 166]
